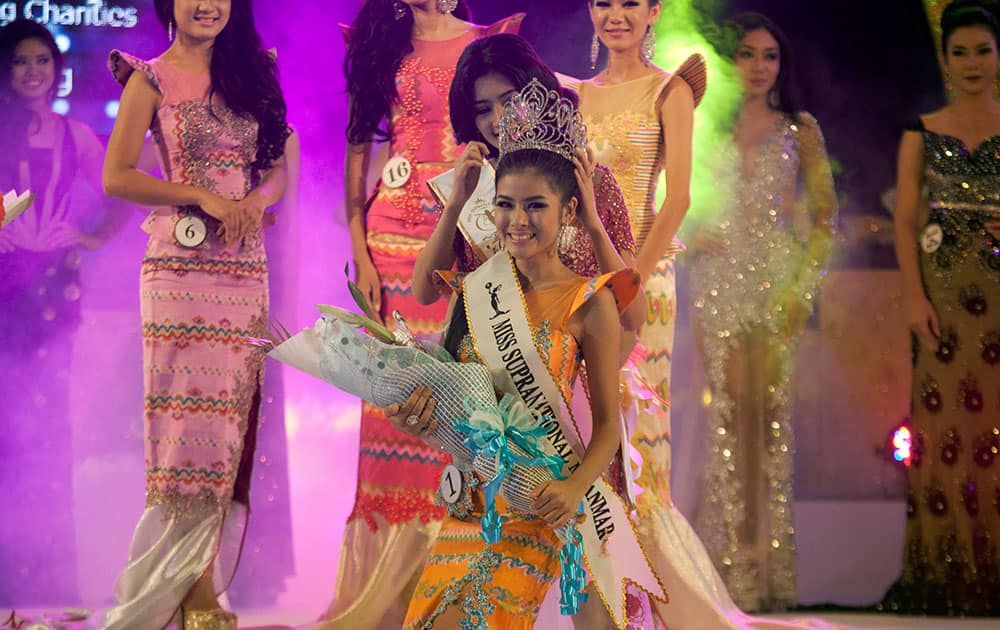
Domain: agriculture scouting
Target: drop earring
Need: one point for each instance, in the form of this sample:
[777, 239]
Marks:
[447, 6]
[649, 45]
[170, 30]
[595, 50]
[400, 10]
[567, 234]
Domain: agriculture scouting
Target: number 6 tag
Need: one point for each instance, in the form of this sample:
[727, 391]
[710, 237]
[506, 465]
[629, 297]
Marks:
[451, 484]
[190, 231]
[396, 172]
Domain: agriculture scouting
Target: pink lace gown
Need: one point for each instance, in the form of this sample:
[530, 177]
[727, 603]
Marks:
[394, 520]
[202, 379]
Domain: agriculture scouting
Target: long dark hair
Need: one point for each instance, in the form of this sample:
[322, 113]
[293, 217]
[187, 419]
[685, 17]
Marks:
[246, 77]
[962, 13]
[15, 118]
[506, 54]
[560, 175]
[377, 44]
[784, 94]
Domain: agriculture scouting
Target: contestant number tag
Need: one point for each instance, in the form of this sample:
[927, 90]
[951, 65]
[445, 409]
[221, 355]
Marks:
[451, 484]
[190, 231]
[396, 172]
[930, 240]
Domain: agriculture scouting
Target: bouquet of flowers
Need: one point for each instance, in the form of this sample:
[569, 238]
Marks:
[13, 205]
[503, 442]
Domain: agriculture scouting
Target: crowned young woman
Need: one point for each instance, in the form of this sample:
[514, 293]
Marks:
[531, 321]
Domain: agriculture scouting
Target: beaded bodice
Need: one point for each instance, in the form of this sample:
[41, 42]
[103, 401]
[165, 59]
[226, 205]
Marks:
[963, 188]
[765, 258]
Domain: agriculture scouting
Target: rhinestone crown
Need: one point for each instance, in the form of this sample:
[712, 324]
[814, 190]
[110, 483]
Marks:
[537, 118]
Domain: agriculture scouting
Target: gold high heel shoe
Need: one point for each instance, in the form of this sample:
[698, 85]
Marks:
[217, 619]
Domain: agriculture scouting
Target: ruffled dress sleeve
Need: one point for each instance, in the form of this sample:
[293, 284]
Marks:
[623, 284]
[122, 65]
[509, 24]
[346, 32]
[694, 73]
[449, 282]
[567, 81]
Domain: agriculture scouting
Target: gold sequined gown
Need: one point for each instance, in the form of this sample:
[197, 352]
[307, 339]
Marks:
[739, 302]
[951, 562]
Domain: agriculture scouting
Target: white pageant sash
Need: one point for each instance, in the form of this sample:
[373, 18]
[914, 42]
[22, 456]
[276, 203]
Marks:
[502, 336]
[475, 221]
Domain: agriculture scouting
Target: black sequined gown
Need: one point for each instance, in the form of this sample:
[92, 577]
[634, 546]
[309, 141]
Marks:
[951, 560]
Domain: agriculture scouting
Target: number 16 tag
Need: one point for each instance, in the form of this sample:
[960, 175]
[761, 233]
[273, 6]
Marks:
[396, 172]
[190, 231]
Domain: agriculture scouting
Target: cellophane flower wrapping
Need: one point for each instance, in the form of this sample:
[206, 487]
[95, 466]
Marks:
[384, 374]
[353, 361]
[502, 441]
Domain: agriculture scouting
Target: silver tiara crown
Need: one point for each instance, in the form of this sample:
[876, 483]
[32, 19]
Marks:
[537, 118]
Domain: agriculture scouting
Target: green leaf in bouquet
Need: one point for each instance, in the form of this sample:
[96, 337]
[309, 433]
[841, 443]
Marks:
[377, 330]
[274, 335]
[358, 295]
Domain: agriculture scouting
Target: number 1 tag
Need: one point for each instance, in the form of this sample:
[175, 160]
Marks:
[396, 172]
[451, 484]
[190, 231]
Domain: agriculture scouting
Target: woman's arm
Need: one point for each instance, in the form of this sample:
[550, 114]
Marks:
[355, 196]
[909, 180]
[248, 213]
[557, 501]
[610, 256]
[821, 197]
[122, 179]
[677, 122]
[438, 252]
[90, 156]
[821, 201]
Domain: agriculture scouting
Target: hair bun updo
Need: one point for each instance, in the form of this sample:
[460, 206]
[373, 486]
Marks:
[963, 13]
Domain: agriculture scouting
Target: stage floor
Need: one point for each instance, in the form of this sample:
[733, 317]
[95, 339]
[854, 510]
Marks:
[266, 621]
[289, 619]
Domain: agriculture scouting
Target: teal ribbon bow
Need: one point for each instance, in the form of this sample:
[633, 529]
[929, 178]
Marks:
[573, 580]
[490, 433]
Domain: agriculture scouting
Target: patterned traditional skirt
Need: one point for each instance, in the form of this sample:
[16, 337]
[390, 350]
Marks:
[201, 376]
[493, 586]
[202, 396]
[394, 521]
[652, 433]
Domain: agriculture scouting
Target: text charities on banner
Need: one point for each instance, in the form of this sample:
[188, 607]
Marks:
[94, 13]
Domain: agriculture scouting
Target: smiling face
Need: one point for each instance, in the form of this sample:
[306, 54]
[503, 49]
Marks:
[972, 60]
[201, 20]
[758, 59]
[621, 24]
[491, 92]
[529, 214]
[33, 70]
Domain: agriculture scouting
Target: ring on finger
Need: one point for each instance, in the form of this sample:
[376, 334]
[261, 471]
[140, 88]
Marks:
[412, 420]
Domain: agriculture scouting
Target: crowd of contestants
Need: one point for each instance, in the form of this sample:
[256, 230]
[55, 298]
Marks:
[594, 259]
